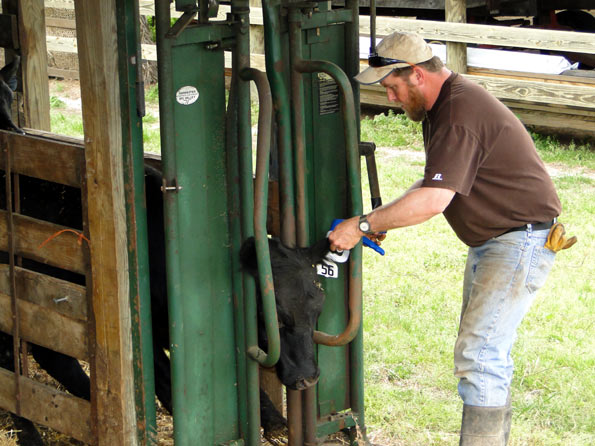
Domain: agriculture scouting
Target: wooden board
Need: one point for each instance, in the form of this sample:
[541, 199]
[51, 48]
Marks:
[47, 159]
[45, 327]
[36, 93]
[47, 406]
[62, 251]
[65, 298]
[539, 39]
[112, 366]
[538, 92]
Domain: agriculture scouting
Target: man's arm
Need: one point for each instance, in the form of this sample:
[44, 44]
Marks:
[415, 206]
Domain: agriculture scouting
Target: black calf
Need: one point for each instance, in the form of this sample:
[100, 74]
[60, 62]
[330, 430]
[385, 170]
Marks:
[299, 298]
[8, 84]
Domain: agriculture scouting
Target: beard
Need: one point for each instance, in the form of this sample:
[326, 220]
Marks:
[415, 109]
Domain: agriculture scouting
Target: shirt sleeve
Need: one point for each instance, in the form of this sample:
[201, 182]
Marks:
[452, 159]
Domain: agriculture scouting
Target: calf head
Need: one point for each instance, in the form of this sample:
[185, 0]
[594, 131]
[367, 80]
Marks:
[299, 298]
[8, 83]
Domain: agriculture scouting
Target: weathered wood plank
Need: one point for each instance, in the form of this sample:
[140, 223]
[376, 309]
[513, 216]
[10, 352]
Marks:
[36, 92]
[63, 74]
[540, 39]
[538, 92]
[65, 298]
[547, 78]
[100, 94]
[60, 23]
[553, 118]
[456, 53]
[519, 90]
[62, 251]
[50, 407]
[45, 327]
[49, 158]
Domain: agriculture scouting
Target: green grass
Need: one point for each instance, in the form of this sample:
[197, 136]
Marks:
[56, 102]
[412, 304]
[66, 124]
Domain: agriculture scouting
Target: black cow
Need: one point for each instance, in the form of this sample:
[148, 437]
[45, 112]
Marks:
[8, 84]
[298, 292]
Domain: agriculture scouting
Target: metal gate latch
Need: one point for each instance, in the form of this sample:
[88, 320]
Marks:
[173, 188]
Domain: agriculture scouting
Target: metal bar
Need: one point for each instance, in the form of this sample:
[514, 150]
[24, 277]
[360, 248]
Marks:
[299, 133]
[176, 311]
[13, 285]
[368, 150]
[260, 214]
[372, 26]
[133, 108]
[243, 132]
[351, 143]
[275, 67]
[294, 418]
[309, 416]
[233, 181]
[23, 346]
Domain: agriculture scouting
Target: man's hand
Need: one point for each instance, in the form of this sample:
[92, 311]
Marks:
[347, 234]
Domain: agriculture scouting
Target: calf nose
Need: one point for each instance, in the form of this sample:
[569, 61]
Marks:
[304, 383]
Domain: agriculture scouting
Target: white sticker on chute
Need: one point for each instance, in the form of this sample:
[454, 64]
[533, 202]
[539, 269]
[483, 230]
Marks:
[187, 95]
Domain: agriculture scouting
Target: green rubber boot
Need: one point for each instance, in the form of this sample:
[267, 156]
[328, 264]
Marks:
[483, 426]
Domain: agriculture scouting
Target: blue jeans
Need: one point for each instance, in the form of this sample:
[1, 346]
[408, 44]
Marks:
[501, 278]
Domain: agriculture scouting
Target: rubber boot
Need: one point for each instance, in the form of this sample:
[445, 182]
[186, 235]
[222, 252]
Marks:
[483, 426]
[507, 420]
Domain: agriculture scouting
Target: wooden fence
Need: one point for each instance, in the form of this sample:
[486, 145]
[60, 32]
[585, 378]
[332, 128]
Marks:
[553, 101]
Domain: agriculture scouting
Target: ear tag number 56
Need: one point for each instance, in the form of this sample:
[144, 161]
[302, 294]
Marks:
[327, 269]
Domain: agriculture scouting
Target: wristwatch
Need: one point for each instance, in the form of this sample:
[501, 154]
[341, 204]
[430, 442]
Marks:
[364, 225]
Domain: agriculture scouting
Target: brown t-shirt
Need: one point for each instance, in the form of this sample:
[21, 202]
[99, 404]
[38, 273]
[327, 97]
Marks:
[478, 148]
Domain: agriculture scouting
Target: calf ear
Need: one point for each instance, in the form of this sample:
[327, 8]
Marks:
[248, 256]
[319, 250]
[9, 73]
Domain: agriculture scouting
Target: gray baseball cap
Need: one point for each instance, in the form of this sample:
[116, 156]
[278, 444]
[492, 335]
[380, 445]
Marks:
[398, 50]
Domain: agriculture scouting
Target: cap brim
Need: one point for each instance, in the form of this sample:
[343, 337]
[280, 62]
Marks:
[372, 75]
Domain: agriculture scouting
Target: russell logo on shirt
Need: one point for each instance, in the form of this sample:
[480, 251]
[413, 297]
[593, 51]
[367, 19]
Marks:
[437, 177]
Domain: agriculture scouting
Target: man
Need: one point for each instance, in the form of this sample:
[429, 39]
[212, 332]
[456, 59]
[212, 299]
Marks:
[483, 173]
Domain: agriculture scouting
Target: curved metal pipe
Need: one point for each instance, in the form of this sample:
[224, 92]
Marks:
[351, 144]
[265, 275]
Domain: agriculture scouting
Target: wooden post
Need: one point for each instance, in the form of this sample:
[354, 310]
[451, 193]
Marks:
[34, 61]
[113, 396]
[456, 53]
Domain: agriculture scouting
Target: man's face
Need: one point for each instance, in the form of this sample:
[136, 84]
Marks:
[407, 95]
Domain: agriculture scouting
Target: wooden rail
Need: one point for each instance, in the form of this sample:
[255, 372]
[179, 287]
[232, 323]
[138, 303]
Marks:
[549, 101]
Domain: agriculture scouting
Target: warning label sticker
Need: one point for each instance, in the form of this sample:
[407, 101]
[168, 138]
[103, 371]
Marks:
[187, 95]
[328, 92]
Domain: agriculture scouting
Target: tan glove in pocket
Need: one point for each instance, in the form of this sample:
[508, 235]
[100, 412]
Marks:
[557, 240]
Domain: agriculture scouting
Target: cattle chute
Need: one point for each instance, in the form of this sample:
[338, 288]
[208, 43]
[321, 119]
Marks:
[212, 206]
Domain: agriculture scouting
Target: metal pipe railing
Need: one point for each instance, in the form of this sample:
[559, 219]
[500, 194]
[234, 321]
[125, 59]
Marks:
[351, 138]
[260, 214]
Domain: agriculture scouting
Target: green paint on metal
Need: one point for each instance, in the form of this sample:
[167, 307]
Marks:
[199, 232]
[140, 301]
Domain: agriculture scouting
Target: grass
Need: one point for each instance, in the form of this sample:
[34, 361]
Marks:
[412, 304]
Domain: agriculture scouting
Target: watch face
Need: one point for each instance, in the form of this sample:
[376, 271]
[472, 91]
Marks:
[364, 226]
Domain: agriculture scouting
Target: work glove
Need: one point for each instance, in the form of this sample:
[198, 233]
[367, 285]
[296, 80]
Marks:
[557, 240]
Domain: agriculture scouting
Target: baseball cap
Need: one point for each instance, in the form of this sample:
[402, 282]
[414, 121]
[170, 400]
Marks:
[398, 50]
